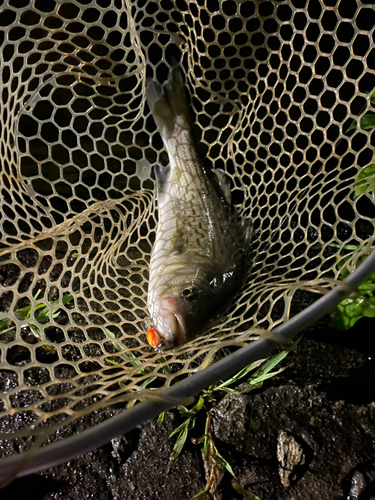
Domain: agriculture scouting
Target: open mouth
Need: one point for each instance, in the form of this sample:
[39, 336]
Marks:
[170, 324]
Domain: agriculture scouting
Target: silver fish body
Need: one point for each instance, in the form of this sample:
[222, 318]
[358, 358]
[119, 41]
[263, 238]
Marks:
[198, 257]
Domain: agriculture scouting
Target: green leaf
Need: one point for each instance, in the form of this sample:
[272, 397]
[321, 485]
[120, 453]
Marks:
[222, 461]
[367, 171]
[35, 331]
[180, 427]
[245, 493]
[367, 287]
[206, 446]
[124, 353]
[345, 247]
[352, 126]
[365, 180]
[372, 98]
[143, 385]
[23, 313]
[4, 323]
[201, 495]
[44, 311]
[241, 374]
[111, 362]
[183, 410]
[181, 439]
[196, 408]
[207, 439]
[263, 373]
[147, 382]
[161, 418]
[166, 368]
[266, 376]
[350, 310]
[43, 315]
[367, 122]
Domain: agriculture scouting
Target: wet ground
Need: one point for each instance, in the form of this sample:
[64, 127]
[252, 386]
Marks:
[306, 434]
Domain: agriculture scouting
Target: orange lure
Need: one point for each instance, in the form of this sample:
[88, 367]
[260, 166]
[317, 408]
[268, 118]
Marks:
[153, 337]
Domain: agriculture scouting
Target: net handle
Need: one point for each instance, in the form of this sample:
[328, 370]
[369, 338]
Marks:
[72, 447]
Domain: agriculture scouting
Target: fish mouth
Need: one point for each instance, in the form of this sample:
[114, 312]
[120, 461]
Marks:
[169, 323]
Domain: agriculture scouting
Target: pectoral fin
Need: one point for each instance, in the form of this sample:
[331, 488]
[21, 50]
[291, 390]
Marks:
[224, 184]
[248, 232]
[177, 242]
[162, 175]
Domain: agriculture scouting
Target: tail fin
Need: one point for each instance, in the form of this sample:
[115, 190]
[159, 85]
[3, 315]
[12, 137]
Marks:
[168, 104]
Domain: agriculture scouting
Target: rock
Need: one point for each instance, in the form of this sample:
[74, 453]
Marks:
[290, 455]
[325, 441]
[363, 483]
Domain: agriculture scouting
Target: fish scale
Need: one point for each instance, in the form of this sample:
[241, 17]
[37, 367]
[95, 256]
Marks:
[197, 261]
[194, 199]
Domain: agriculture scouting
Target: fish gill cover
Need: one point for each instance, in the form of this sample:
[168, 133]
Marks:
[274, 87]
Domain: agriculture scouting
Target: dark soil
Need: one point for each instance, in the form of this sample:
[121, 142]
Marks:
[323, 401]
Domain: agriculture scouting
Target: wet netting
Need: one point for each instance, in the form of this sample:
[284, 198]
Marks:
[280, 91]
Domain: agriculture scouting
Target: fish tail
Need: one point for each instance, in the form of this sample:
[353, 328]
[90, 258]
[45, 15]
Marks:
[168, 104]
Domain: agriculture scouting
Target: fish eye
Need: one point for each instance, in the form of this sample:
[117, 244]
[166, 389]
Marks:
[188, 292]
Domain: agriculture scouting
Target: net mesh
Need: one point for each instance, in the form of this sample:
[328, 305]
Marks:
[274, 87]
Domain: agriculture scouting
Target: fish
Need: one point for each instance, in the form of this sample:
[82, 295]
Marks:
[199, 255]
